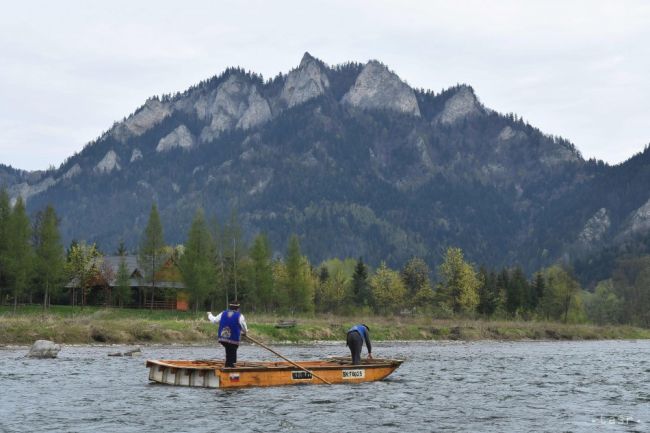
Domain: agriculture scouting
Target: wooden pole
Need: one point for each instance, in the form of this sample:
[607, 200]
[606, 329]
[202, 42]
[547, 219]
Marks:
[285, 358]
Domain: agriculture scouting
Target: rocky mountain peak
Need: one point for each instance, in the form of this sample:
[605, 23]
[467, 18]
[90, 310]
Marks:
[308, 81]
[307, 59]
[461, 105]
[151, 113]
[377, 87]
[236, 103]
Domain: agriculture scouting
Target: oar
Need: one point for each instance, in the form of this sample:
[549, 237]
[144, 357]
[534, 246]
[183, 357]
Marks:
[285, 358]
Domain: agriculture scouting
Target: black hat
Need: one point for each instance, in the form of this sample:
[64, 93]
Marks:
[234, 304]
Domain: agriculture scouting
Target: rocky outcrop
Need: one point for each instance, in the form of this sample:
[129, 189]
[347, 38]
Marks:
[236, 103]
[461, 105]
[136, 155]
[558, 153]
[378, 88]
[638, 222]
[180, 137]
[26, 190]
[44, 349]
[509, 134]
[151, 113]
[72, 172]
[108, 163]
[308, 81]
[595, 228]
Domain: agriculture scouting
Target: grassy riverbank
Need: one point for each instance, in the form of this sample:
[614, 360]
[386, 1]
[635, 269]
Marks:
[124, 326]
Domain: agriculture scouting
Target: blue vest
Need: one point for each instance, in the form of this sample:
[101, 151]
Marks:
[360, 329]
[229, 328]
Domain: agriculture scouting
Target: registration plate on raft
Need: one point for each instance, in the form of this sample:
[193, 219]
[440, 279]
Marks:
[354, 374]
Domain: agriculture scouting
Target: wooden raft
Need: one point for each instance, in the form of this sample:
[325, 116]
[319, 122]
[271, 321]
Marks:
[213, 373]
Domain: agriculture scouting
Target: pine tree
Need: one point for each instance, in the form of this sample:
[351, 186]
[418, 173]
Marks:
[123, 288]
[219, 293]
[151, 254]
[20, 259]
[233, 252]
[360, 287]
[489, 298]
[197, 262]
[537, 290]
[121, 249]
[5, 214]
[299, 290]
[50, 259]
[516, 291]
[262, 270]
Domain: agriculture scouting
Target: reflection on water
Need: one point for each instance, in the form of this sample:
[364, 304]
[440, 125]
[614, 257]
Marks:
[477, 387]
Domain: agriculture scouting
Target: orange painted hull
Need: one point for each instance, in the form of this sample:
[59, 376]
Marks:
[213, 374]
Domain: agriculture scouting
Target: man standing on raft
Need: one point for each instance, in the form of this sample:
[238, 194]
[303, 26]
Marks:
[355, 338]
[232, 326]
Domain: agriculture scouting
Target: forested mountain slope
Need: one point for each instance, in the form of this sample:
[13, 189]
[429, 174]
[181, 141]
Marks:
[354, 161]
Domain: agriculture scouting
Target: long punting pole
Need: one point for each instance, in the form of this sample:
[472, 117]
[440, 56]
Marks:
[285, 358]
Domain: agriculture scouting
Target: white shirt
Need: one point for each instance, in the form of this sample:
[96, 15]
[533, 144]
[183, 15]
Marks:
[217, 318]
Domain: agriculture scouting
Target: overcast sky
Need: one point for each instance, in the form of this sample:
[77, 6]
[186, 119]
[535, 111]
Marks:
[69, 69]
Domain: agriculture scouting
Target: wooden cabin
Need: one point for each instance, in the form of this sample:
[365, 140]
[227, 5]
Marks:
[170, 293]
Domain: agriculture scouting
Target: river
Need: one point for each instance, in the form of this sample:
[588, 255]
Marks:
[443, 386]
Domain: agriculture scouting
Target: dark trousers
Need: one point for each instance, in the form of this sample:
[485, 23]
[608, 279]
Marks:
[355, 343]
[231, 353]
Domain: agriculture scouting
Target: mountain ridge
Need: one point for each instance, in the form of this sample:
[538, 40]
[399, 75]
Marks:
[350, 157]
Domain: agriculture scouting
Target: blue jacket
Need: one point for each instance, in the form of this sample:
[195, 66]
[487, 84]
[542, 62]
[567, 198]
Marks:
[363, 331]
[229, 327]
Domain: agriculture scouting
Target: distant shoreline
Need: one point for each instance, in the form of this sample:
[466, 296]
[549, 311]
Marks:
[128, 327]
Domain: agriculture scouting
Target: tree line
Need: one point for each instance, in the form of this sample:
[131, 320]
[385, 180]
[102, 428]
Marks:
[217, 265]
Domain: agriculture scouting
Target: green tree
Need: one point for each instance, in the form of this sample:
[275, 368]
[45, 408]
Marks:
[121, 249]
[459, 284]
[360, 288]
[219, 295]
[262, 271]
[82, 269]
[388, 290]
[561, 295]
[488, 292]
[335, 285]
[335, 291]
[197, 262]
[415, 275]
[281, 300]
[123, 286]
[50, 258]
[233, 253]
[21, 255]
[5, 215]
[299, 286]
[151, 255]
[603, 306]
[516, 292]
[537, 291]
[631, 280]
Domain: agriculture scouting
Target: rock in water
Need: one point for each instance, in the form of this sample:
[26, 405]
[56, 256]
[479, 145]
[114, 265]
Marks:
[135, 352]
[44, 349]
